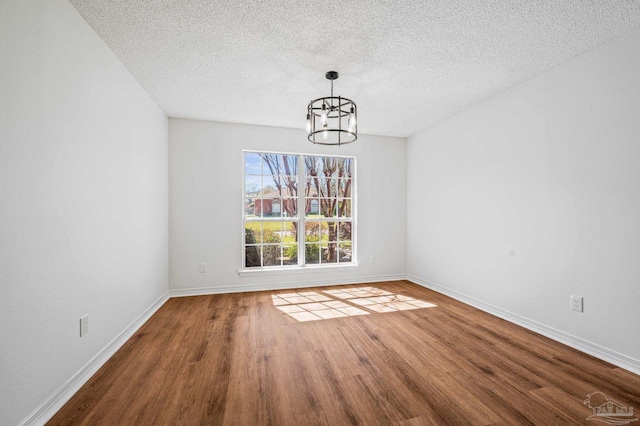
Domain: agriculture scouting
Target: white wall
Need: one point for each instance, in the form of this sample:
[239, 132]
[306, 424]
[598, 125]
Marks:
[534, 195]
[205, 193]
[83, 200]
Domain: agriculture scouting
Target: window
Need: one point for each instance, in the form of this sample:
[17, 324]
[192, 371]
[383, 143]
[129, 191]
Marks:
[298, 210]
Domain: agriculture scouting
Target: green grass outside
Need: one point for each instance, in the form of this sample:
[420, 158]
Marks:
[277, 227]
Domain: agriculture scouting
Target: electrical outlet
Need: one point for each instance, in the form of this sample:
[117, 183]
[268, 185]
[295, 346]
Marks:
[576, 303]
[372, 260]
[203, 268]
[84, 325]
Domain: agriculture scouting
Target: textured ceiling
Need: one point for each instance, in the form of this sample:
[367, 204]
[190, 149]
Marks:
[407, 64]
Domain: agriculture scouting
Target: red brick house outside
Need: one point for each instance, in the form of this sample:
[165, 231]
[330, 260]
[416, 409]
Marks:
[276, 206]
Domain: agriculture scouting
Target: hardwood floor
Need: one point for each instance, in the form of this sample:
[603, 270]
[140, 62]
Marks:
[236, 359]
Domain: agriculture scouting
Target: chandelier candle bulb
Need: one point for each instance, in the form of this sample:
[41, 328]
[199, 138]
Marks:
[352, 120]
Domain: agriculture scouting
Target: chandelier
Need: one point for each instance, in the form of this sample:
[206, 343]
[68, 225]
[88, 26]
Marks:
[332, 120]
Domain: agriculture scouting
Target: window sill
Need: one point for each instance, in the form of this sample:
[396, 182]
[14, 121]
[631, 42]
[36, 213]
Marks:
[254, 272]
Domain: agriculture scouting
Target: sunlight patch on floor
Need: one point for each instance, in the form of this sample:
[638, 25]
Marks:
[313, 306]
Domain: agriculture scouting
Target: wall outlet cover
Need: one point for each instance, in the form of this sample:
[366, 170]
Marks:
[577, 303]
[84, 325]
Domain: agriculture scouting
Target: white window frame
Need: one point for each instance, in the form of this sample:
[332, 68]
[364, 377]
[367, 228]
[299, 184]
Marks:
[301, 218]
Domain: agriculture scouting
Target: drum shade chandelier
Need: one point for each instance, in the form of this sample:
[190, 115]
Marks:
[332, 120]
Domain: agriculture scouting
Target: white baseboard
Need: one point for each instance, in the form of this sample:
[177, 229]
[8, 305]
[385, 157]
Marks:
[60, 397]
[605, 354]
[243, 288]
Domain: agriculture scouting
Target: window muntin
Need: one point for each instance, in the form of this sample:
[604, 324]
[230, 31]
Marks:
[276, 206]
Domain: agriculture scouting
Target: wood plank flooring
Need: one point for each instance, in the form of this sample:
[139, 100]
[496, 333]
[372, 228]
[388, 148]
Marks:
[236, 359]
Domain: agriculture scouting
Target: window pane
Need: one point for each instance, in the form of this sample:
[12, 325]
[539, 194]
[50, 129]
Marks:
[290, 164]
[252, 256]
[312, 253]
[344, 254]
[252, 185]
[329, 252]
[252, 233]
[311, 165]
[328, 231]
[312, 232]
[290, 254]
[249, 207]
[326, 187]
[344, 188]
[269, 189]
[289, 187]
[344, 229]
[289, 234]
[343, 208]
[258, 207]
[271, 255]
[345, 167]
[289, 207]
[271, 232]
[330, 207]
[252, 163]
[311, 187]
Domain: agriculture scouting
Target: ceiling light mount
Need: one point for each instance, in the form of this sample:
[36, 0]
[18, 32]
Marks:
[332, 120]
[332, 75]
